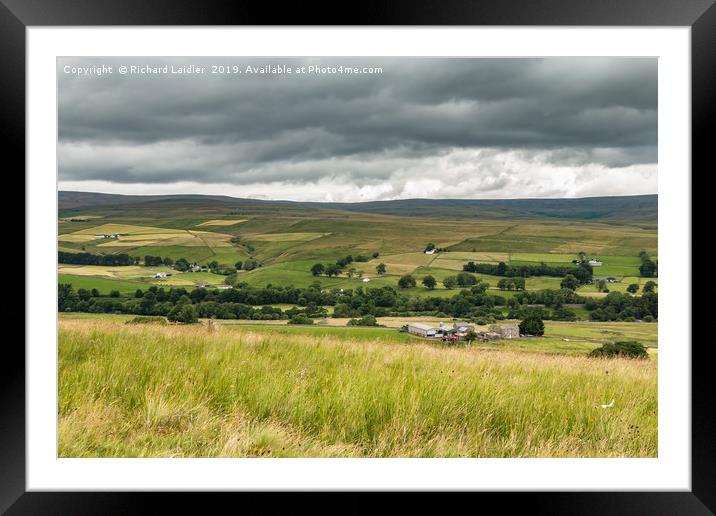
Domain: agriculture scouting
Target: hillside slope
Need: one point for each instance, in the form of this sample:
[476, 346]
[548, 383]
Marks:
[639, 208]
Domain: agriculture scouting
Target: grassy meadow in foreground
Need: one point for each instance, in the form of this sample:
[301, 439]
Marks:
[187, 391]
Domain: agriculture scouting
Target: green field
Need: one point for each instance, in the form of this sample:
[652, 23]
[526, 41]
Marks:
[194, 391]
[104, 285]
[286, 242]
[560, 337]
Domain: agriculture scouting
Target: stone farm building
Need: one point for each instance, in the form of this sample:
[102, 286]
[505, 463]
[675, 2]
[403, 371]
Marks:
[506, 331]
[456, 331]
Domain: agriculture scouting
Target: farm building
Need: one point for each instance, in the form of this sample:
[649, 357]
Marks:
[162, 275]
[595, 263]
[463, 327]
[365, 280]
[506, 331]
[422, 330]
[454, 332]
[608, 280]
[431, 251]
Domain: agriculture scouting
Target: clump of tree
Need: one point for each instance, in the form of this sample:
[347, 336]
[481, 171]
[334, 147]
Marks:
[511, 284]
[429, 282]
[633, 288]
[335, 269]
[156, 261]
[570, 282]
[648, 267]
[250, 265]
[183, 312]
[625, 349]
[367, 320]
[380, 268]
[649, 287]
[300, 319]
[317, 269]
[407, 281]
[344, 261]
[465, 279]
[532, 325]
[217, 268]
[86, 295]
[450, 282]
[96, 259]
[182, 265]
[617, 306]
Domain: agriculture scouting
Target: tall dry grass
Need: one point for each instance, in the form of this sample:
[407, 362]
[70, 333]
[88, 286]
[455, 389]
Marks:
[188, 392]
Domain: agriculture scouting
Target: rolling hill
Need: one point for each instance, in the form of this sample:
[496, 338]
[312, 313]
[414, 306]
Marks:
[632, 209]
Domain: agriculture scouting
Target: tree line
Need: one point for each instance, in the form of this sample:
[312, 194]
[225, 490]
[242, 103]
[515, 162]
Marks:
[241, 303]
[648, 267]
[337, 268]
[582, 272]
[96, 259]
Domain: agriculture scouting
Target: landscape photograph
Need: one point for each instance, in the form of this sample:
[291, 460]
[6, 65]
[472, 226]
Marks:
[357, 257]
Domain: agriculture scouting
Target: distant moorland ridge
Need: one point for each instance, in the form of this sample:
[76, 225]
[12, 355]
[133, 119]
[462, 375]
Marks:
[635, 208]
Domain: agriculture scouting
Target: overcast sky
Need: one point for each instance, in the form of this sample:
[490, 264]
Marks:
[438, 128]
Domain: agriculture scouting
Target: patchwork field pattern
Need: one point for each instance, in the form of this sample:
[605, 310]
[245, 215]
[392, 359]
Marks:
[287, 245]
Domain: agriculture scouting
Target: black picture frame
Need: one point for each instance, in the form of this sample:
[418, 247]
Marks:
[16, 15]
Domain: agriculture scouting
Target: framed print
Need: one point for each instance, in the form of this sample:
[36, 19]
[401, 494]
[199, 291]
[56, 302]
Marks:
[390, 256]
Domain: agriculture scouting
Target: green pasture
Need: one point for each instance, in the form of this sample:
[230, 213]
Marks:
[104, 285]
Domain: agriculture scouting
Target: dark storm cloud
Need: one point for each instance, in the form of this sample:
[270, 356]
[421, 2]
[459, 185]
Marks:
[361, 128]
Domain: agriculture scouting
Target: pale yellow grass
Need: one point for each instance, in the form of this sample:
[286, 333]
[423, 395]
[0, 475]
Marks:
[74, 237]
[99, 270]
[129, 229]
[119, 271]
[129, 243]
[578, 247]
[485, 257]
[403, 263]
[287, 237]
[222, 222]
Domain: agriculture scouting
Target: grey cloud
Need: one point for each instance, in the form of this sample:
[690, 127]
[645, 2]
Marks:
[362, 128]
